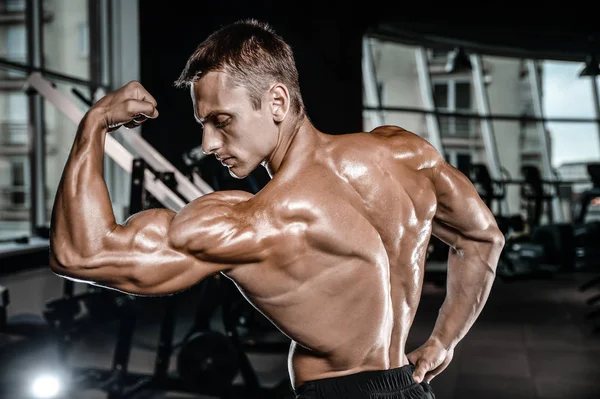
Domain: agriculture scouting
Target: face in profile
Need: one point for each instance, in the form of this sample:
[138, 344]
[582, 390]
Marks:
[238, 135]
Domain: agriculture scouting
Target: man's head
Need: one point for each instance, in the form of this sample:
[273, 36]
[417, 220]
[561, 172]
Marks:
[244, 85]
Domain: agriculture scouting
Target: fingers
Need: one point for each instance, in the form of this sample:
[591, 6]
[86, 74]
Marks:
[136, 109]
[437, 370]
[135, 122]
[430, 375]
[140, 93]
[413, 357]
[420, 370]
[130, 106]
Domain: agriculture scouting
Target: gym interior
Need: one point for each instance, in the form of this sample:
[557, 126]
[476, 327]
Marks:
[512, 105]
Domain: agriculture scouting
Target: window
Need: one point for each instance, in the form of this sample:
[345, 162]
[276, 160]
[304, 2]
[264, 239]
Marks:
[452, 95]
[19, 181]
[463, 95]
[440, 91]
[15, 5]
[83, 40]
[16, 43]
[15, 118]
[461, 159]
[526, 100]
[16, 47]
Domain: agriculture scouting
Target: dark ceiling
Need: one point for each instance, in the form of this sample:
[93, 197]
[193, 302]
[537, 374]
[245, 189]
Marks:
[528, 36]
[524, 29]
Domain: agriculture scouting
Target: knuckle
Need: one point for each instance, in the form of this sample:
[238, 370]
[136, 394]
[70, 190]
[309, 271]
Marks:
[130, 106]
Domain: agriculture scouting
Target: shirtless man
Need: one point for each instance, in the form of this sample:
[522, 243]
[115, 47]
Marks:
[331, 250]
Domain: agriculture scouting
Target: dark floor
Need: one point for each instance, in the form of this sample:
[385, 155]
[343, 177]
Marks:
[531, 341]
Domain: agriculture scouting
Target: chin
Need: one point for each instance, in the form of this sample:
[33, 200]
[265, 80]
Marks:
[236, 176]
[238, 172]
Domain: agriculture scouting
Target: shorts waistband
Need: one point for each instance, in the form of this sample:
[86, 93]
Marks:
[393, 380]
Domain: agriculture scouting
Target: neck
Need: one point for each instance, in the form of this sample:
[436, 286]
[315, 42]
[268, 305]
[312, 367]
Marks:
[296, 134]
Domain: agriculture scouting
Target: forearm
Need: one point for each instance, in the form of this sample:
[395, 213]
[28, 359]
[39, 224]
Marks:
[82, 214]
[471, 273]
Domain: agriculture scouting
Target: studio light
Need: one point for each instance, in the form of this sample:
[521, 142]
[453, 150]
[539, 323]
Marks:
[458, 61]
[46, 386]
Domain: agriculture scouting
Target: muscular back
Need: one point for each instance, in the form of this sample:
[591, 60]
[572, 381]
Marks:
[350, 225]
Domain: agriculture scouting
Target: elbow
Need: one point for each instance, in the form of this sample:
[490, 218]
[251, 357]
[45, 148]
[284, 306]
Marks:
[497, 239]
[62, 264]
[63, 257]
[497, 242]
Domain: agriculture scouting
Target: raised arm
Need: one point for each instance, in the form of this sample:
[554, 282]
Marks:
[155, 252]
[159, 252]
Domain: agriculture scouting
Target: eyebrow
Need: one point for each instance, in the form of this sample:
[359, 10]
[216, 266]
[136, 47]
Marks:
[210, 115]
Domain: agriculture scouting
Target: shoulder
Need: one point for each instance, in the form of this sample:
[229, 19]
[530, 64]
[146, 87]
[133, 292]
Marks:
[405, 144]
[213, 205]
[210, 215]
[386, 147]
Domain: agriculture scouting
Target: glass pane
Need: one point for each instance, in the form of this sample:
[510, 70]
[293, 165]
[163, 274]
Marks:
[457, 126]
[440, 93]
[463, 162]
[395, 68]
[573, 142]
[16, 43]
[565, 94]
[507, 85]
[463, 95]
[66, 41]
[60, 132]
[14, 161]
[15, 47]
[13, 37]
[574, 145]
[15, 6]
[516, 147]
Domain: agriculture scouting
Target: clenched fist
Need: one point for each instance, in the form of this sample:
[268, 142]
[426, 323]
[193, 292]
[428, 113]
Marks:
[128, 106]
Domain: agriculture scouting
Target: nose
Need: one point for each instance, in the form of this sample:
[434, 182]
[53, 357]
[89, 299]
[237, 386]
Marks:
[210, 142]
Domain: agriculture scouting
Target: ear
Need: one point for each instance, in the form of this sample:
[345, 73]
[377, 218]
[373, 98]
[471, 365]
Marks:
[279, 101]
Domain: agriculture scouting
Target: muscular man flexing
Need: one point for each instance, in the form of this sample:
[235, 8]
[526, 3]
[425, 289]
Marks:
[331, 250]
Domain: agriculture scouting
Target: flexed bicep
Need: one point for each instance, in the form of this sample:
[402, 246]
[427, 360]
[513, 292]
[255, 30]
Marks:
[137, 257]
[159, 252]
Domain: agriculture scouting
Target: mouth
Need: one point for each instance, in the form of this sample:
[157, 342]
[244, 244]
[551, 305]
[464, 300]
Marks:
[227, 161]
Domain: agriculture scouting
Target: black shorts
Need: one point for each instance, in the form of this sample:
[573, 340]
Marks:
[381, 384]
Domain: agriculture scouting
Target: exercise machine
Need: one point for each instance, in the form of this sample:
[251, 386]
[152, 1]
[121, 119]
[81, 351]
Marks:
[493, 192]
[533, 249]
[587, 232]
[537, 194]
[587, 237]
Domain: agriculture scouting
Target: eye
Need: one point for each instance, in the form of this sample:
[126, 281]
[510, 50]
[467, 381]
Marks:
[222, 123]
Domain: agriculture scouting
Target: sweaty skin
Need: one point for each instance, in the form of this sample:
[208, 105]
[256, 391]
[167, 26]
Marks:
[332, 250]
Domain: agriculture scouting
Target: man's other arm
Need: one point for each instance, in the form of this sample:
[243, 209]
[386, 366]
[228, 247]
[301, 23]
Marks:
[466, 224]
